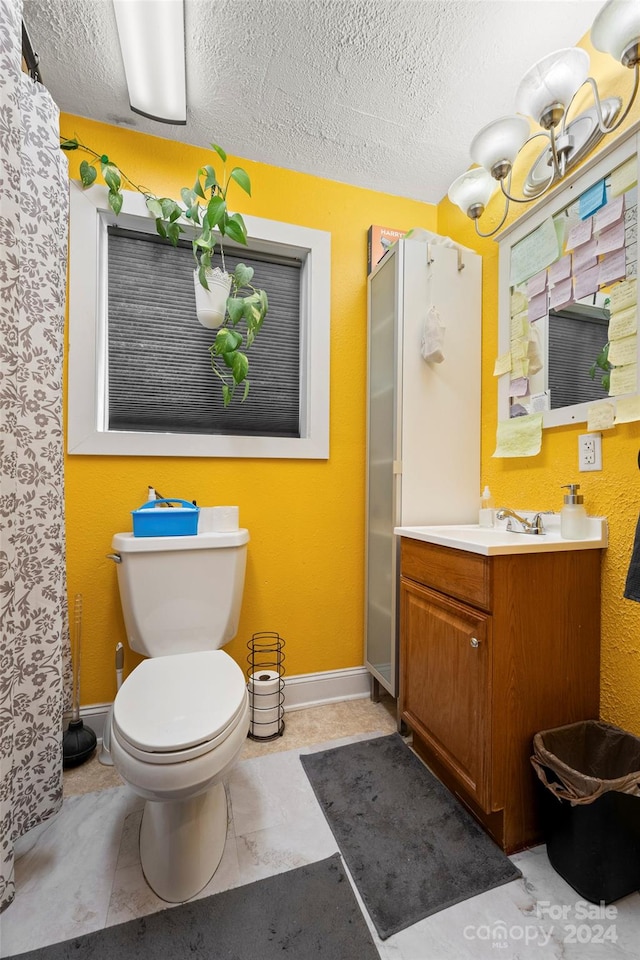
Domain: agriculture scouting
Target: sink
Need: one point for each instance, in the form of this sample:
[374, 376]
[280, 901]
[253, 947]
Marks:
[493, 541]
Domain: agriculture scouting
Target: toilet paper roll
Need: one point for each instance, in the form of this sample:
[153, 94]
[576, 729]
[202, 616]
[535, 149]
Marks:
[218, 519]
[264, 702]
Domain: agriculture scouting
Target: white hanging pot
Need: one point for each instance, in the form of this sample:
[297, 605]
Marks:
[211, 304]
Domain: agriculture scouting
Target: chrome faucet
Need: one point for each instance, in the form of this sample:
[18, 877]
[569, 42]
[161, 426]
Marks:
[534, 526]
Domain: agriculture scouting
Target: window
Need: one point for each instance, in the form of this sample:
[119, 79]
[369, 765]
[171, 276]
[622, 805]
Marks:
[140, 378]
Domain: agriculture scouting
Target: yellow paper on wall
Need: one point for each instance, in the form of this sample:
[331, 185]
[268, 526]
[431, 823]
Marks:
[519, 303]
[519, 326]
[519, 368]
[623, 380]
[519, 349]
[502, 365]
[519, 437]
[628, 409]
[623, 295]
[623, 323]
[624, 351]
[623, 178]
[600, 416]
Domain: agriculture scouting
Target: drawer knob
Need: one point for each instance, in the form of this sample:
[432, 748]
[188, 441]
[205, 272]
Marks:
[475, 643]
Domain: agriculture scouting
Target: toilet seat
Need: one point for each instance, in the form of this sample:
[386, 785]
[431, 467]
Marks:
[172, 709]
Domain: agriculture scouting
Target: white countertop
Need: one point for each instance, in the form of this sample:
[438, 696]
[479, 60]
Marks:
[495, 541]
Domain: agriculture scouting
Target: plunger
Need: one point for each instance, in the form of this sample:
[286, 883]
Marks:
[78, 742]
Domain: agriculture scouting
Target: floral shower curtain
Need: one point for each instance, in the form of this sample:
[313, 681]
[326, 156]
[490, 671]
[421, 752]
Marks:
[34, 644]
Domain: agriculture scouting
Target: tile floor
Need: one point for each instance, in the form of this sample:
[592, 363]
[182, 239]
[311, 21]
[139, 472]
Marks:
[81, 871]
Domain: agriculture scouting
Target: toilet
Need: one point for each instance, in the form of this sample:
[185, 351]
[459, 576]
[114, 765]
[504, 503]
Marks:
[181, 717]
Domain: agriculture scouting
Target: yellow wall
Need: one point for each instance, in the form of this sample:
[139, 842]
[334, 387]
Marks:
[305, 566]
[534, 482]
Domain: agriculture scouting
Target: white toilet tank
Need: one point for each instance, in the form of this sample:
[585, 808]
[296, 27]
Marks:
[181, 594]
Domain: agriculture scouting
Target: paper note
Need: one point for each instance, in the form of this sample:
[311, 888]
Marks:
[624, 177]
[585, 256]
[623, 380]
[519, 368]
[519, 437]
[623, 295]
[586, 282]
[623, 351]
[534, 252]
[611, 239]
[519, 302]
[560, 294]
[537, 307]
[519, 326]
[612, 267]
[600, 416]
[519, 349]
[628, 409]
[502, 365]
[610, 213]
[579, 234]
[560, 270]
[537, 284]
[592, 199]
[539, 401]
[623, 323]
[519, 387]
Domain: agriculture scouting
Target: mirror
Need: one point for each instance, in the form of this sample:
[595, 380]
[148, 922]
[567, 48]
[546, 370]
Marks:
[568, 306]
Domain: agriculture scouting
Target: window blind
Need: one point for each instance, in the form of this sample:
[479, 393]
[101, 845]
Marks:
[581, 339]
[159, 368]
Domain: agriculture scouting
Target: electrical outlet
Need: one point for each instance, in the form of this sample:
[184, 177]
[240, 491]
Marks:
[590, 451]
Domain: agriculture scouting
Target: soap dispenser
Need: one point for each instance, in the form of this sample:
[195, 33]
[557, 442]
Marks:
[486, 512]
[573, 516]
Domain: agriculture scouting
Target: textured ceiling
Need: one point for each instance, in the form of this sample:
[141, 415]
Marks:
[386, 94]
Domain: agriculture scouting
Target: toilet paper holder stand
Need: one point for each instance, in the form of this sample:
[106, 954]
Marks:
[265, 684]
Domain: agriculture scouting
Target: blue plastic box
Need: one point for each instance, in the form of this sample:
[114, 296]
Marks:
[151, 520]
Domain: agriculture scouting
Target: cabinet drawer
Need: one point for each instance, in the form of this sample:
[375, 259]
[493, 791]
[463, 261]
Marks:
[457, 573]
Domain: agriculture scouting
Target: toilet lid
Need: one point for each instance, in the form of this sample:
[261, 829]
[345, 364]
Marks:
[172, 703]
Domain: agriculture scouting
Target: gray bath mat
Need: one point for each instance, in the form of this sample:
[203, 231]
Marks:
[410, 846]
[301, 914]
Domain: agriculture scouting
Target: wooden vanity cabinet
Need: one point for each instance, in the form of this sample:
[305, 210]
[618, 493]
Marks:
[492, 650]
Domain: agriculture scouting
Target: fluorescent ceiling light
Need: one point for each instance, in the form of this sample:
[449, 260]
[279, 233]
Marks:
[151, 34]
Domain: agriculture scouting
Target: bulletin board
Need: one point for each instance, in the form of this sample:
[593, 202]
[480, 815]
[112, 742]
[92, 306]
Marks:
[568, 345]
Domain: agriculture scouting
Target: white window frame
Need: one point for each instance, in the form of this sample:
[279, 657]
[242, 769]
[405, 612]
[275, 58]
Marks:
[87, 429]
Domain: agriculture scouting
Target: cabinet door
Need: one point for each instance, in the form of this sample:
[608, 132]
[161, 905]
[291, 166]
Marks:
[446, 681]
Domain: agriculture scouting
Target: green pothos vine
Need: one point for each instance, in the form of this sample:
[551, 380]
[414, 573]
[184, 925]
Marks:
[204, 207]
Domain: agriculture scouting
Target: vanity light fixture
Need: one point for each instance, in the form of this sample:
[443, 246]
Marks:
[545, 95]
[151, 35]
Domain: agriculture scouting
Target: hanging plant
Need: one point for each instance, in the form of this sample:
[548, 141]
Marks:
[241, 308]
[602, 366]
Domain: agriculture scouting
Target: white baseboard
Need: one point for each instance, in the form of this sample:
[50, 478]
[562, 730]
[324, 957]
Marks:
[301, 691]
[314, 689]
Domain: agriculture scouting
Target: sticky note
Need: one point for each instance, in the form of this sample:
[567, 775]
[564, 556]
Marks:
[623, 295]
[560, 270]
[519, 387]
[623, 323]
[610, 268]
[627, 409]
[502, 365]
[600, 416]
[624, 177]
[623, 380]
[623, 351]
[592, 199]
[579, 234]
[610, 213]
[519, 437]
[537, 307]
[537, 284]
